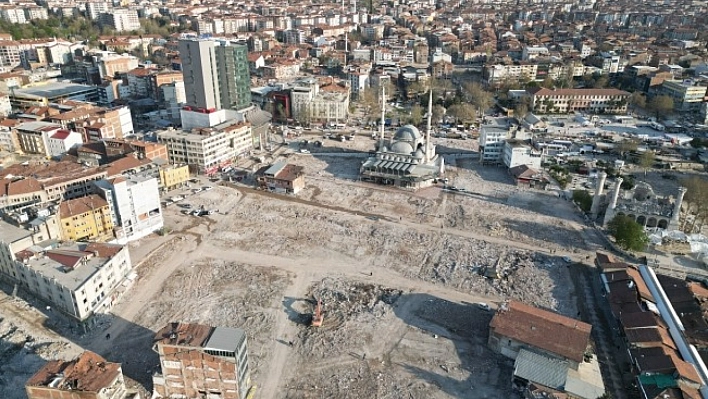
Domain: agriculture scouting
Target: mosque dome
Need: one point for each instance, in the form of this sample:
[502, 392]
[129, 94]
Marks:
[419, 154]
[402, 147]
[407, 133]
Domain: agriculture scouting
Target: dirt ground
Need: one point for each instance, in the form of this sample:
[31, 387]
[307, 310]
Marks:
[399, 273]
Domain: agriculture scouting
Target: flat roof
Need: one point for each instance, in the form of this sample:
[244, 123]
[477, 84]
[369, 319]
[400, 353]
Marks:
[51, 266]
[225, 339]
[52, 90]
[10, 233]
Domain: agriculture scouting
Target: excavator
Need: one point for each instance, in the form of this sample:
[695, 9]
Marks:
[318, 317]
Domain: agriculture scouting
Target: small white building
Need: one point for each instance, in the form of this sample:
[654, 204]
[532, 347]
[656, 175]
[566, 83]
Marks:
[517, 153]
[492, 139]
[62, 141]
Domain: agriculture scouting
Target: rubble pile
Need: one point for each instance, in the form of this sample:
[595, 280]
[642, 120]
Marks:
[219, 293]
[345, 306]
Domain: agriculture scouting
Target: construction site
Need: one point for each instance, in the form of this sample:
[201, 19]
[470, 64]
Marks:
[391, 279]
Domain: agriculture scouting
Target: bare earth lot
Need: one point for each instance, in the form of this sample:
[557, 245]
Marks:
[398, 272]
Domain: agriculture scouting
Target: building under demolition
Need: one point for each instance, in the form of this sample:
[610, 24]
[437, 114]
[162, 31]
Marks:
[407, 160]
[640, 203]
[201, 361]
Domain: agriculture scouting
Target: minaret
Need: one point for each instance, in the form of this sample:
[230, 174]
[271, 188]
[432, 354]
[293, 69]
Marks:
[677, 206]
[383, 115]
[597, 198]
[429, 127]
[615, 195]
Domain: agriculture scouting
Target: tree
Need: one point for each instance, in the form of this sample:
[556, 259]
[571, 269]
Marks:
[646, 160]
[477, 96]
[416, 115]
[548, 83]
[638, 100]
[520, 111]
[438, 113]
[583, 199]
[625, 146]
[628, 234]
[695, 203]
[661, 105]
[462, 112]
[601, 82]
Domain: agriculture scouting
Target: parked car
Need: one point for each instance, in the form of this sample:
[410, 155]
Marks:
[207, 188]
[197, 190]
[304, 151]
[484, 306]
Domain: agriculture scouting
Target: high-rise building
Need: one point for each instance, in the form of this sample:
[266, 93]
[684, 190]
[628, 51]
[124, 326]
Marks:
[215, 74]
[121, 19]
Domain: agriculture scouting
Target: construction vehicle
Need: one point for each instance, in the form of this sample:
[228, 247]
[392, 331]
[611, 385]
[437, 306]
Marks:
[318, 317]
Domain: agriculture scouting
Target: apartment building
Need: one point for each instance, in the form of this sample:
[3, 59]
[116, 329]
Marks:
[62, 141]
[94, 9]
[687, 95]
[281, 177]
[529, 53]
[96, 123]
[33, 136]
[89, 376]
[198, 360]
[134, 202]
[492, 139]
[137, 148]
[13, 15]
[311, 102]
[517, 152]
[173, 176]
[8, 135]
[215, 74]
[22, 186]
[518, 72]
[78, 279]
[208, 149]
[86, 219]
[597, 101]
[121, 19]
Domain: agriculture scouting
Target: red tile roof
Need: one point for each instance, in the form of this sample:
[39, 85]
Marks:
[543, 329]
[88, 373]
[542, 91]
[81, 205]
[61, 134]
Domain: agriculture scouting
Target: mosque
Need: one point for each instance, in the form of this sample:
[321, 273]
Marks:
[408, 160]
[640, 203]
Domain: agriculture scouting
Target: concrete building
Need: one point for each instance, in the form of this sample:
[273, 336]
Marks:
[121, 19]
[38, 184]
[33, 136]
[135, 205]
[492, 139]
[173, 176]
[688, 97]
[597, 101]
[78, 279]
[311, 102]
[208, 149]
[8, 135]
[62, 141]
[52, 93]
[498, 73]
[215, 74]
[89, 377]
[281, 177]
[517, 152]
[198, 360]
[94, 9]
[86, 219]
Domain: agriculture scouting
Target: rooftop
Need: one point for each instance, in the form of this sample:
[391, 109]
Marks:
[71, 265]
[543, 329]
[81, 205]
[10, 233]
[52, 90]
[87, 373]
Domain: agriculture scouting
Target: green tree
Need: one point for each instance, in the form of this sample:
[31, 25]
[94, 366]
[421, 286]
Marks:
[601, 82]
[583, 199]
[699, 142]
[547, 83]
[646, 160]
[661, 105]
[416, 115]
[628, 234]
